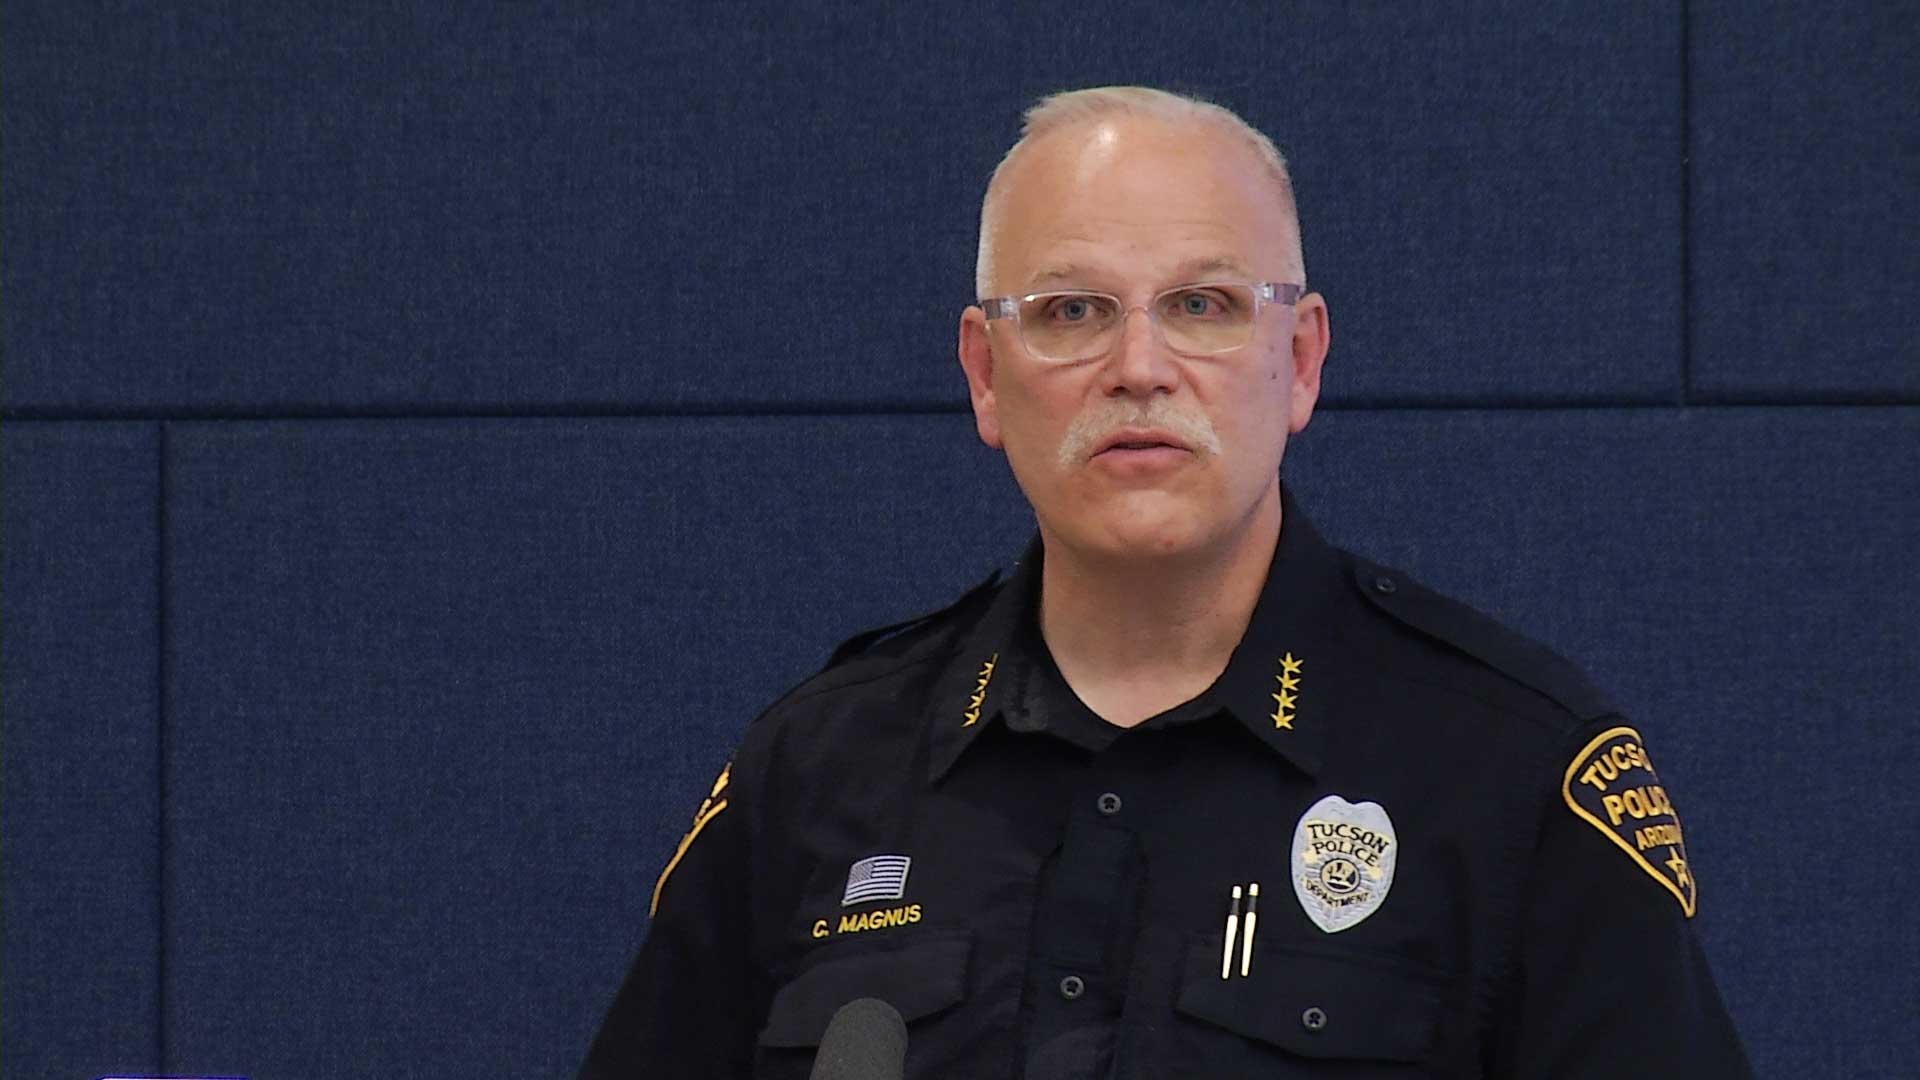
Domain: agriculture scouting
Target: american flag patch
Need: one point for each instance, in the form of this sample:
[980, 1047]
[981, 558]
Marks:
[877, 877]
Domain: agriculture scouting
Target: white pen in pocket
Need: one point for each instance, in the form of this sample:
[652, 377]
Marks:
[1246, 937]
[1233, 923]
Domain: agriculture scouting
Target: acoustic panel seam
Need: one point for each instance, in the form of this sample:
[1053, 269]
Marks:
[1725, 401]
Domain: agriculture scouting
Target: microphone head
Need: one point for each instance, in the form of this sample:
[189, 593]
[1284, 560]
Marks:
[865, 1040]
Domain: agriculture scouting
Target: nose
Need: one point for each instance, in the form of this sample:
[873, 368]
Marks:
[1140, 364]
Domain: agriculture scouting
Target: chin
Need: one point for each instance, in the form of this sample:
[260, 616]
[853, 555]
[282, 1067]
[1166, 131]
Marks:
[1152, 531]
[1150, 524]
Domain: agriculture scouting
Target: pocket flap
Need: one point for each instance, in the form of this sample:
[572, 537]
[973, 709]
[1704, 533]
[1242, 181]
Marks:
[918, 979]
[1315, 1005]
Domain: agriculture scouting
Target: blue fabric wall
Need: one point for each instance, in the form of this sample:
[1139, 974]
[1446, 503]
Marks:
[80, 802]
[430, 435]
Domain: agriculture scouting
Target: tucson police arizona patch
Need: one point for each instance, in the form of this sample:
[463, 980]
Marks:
[1343, 859]
[1611, 785]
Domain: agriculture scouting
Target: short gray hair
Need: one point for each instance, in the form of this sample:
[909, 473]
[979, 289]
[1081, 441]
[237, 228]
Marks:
[1057, 111]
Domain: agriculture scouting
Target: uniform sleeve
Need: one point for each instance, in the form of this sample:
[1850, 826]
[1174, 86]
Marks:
[690, 1005]
[1611, 980]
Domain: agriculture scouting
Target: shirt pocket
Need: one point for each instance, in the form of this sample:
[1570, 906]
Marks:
[921, 979]
[1300, 1013]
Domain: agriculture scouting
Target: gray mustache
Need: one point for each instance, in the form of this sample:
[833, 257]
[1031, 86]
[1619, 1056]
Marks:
[1090, 427]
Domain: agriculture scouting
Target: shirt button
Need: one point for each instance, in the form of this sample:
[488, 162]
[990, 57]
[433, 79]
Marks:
[1384, 584]
[1072, 987]
[1109, 804]
[1314, 1019]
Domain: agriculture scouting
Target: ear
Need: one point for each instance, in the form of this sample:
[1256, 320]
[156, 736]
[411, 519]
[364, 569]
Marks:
[1311, 336]
[976, 359]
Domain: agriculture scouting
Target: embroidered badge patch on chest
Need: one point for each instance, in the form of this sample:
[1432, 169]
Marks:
[1612, 786]
[1343, 858]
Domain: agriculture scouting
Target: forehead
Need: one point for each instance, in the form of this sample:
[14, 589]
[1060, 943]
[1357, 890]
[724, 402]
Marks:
[1131, 199]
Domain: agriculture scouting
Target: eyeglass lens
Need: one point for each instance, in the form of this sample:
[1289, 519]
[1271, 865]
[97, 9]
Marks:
[1197, 319]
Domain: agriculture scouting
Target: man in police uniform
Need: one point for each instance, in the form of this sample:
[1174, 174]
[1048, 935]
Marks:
[1192, 793]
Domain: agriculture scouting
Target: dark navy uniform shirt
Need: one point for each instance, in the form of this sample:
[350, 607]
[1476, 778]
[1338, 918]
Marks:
[1465, 862]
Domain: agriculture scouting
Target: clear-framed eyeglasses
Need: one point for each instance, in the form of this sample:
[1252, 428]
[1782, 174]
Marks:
[1201, 319]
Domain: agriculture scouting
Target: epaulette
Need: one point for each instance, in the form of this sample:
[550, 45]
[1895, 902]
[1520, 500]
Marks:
[867, 639]
[1514, 655]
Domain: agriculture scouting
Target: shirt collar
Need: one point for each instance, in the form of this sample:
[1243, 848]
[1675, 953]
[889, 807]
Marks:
[1268, 686]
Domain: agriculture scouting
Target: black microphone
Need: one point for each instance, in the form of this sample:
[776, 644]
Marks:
[865, 1040]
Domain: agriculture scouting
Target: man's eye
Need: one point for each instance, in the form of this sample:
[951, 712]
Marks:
[1199, 304]
[1074, 309]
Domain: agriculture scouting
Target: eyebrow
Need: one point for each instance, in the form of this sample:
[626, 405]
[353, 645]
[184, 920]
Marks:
[1212, 264]
[1191, 270]
[1065, 272]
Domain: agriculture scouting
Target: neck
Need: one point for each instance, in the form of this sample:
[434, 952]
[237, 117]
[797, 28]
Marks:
[1134, 637]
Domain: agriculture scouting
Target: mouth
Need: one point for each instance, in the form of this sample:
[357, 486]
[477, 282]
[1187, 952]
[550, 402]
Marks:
[1132, 440]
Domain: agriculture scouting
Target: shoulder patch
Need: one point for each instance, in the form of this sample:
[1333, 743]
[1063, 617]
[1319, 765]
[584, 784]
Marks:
[710, 808]
[1611, 785]
[1482, 637]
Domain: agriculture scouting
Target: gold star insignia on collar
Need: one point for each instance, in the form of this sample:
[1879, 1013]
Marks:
[979, 695]
[1282, 720]
[1289, 679]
